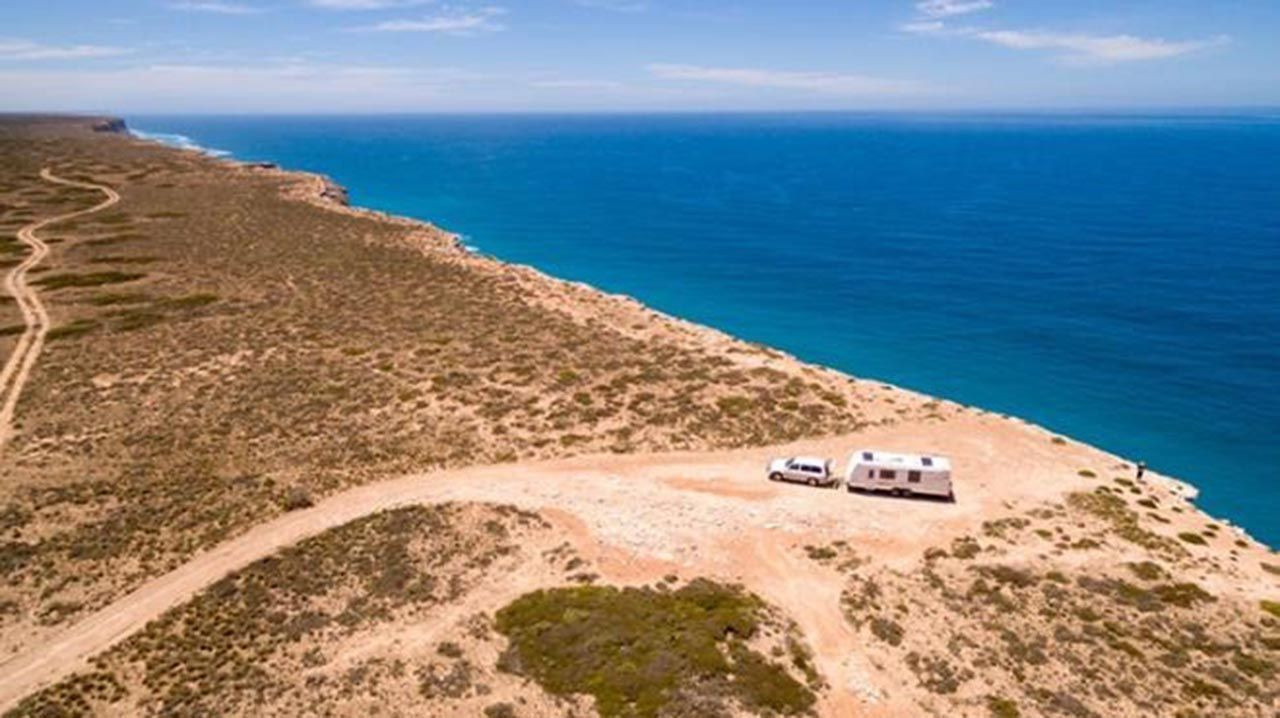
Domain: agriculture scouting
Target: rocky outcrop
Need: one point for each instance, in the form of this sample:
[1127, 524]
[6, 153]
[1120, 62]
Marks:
[110, 124]
[333, 192]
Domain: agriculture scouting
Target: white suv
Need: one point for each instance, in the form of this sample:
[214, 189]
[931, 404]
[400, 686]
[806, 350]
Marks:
[804, 470]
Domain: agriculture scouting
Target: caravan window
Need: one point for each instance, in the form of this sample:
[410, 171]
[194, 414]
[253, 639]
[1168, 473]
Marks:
[888, 474]
[866, 456]
[926, 461]
[913, 477]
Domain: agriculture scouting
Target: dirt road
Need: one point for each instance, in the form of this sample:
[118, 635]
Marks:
[642, 516]
[17, 368]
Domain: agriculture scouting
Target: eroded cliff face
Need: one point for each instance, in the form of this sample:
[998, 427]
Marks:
[110, 124]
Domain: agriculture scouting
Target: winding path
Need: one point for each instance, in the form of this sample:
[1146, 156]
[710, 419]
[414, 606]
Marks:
[635, 514]
[18, 367]
[645, 515]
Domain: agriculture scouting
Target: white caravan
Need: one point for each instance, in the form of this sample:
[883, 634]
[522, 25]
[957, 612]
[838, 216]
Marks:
[899, 474]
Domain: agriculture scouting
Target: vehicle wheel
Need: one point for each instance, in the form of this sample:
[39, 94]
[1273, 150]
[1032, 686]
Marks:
[813, 483]
[775, 476]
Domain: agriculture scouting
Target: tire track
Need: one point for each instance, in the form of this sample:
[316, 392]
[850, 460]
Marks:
[17, 368]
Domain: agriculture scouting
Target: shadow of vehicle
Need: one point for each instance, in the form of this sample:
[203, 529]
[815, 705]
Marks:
[906, 495]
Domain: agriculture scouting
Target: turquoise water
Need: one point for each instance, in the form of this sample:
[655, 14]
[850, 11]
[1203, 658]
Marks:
[1116, 279]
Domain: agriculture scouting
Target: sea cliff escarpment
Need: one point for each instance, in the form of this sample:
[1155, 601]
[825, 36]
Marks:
[304, 458]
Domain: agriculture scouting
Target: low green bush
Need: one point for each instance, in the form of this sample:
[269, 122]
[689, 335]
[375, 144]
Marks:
[88, 279]
[643, 651]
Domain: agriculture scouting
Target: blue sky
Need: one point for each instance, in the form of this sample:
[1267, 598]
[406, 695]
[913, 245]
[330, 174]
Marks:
[138, 56]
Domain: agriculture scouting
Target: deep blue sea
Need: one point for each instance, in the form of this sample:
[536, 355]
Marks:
[1115, 278]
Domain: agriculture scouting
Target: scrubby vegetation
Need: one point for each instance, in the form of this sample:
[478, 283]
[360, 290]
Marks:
[270, 344]
[1095, 640]
[245, 640]
[1122, 521]
[89, 279]
[650, 652]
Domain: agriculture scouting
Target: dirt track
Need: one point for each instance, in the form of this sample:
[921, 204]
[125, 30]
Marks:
[642, 516]
[18, 367]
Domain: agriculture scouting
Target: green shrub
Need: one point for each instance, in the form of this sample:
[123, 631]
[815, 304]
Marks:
[71, 329]
[190, 301]
[1003, 707]
[296, 498]
[112, 298]
[89, 279]
[887, 630]
[820, 553]
[500, 710]
[734, 405]
[449, 649]
[1147, 570]
[639, 651]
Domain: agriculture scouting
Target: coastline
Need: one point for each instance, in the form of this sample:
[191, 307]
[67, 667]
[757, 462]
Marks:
[323, 191]
[1033, 509]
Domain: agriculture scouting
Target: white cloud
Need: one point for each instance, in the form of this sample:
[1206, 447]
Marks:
[951, 8]
[249, 88]
[924, 27]
[820, 82]
[1096, 49]
[1076, 48]
[453, 23]
[367, 4]
[27, 50]
[217, 8]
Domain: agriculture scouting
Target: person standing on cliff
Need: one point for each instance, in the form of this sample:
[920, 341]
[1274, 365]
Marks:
[1142, 469]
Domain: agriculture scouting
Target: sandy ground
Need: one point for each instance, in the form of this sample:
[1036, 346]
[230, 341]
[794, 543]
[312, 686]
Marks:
[17, 368]
[641, 517]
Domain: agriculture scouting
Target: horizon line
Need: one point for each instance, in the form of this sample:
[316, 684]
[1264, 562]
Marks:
[1118, 110]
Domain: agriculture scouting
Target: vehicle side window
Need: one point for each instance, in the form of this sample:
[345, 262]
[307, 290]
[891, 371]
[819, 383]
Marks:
[888, 474]
[913, 477]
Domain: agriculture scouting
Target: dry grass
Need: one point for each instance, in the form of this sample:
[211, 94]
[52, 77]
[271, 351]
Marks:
[973, 632]
[248, 640]
[273, 344]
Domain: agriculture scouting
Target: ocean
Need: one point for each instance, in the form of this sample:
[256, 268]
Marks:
[1114, 278]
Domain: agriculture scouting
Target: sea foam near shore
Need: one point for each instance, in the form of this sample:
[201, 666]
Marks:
[179, 141]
